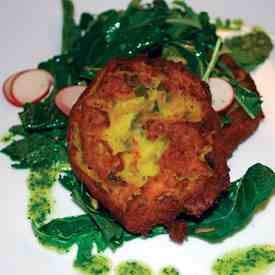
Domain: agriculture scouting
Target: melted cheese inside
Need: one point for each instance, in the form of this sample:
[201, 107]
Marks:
[180, 107]
[126, 136]
[140, 155]
[142, 161]
[122, 118]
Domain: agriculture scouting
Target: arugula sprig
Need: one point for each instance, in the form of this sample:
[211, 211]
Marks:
[193, 35]
[95, 229]
[250, 101]
[111, 230]
[36, 150]
[236, 208]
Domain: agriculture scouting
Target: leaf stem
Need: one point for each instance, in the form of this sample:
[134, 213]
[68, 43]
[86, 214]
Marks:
[213, 60]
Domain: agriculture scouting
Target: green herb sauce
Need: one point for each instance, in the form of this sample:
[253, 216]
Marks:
[40, 184]
[97, 265]
[169, 270]
[250, 261]
[7, 138]
[133, 268]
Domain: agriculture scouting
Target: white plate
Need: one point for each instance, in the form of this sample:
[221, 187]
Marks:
[30, 32]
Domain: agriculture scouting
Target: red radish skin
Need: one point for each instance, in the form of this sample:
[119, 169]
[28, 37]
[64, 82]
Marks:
[31, 86]
[222, 93]
[7, 89]
[67, 97]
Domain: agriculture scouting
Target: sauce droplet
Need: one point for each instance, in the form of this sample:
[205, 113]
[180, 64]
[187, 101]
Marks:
[249, 261]
[169, 270]
[132, 268]
[97, 265]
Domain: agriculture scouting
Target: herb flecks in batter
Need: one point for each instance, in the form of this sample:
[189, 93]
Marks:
[126, 136]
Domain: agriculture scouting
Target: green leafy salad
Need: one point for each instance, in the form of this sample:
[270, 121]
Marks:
[39, 143]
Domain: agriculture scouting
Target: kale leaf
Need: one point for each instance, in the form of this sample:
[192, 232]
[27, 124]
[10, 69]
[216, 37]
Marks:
[178, 52]
[236, 208]
[95, 229]
[121, 34]
[37, 150]
[112, 231]
[193, 35]
[250, 50]
[63, 233]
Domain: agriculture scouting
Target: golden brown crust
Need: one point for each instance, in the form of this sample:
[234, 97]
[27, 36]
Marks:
[192, 169]
[242, 125]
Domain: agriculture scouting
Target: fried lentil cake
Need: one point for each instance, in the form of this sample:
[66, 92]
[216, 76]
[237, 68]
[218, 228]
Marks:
[242, 126]
[143, 139]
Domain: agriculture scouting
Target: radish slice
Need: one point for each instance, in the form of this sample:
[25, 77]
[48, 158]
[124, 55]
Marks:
[67, 97]
[7, 90]
[222, 93]
[31, 86]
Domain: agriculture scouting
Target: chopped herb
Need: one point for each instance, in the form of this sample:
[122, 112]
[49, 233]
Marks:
[141, 90]
[225, 120]
[156, 107]
[113, 177]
